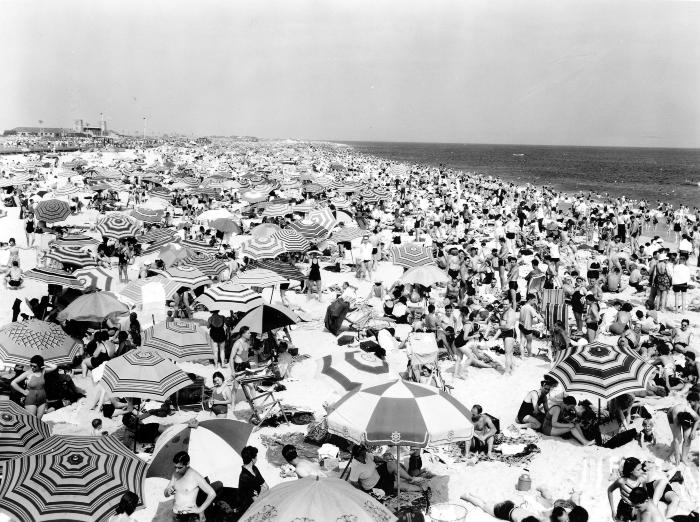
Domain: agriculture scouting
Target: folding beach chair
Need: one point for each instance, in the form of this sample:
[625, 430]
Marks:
[535, 286]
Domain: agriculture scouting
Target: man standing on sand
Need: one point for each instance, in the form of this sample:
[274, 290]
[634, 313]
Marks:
[185, 485]
[507, 333]
[528, 316]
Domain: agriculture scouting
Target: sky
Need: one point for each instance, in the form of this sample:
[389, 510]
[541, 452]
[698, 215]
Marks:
[553, 72]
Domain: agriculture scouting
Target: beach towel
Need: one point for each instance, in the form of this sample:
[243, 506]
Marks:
[555, 312]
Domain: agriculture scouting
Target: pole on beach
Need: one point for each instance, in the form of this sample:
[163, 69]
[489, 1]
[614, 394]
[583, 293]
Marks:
[398, 478]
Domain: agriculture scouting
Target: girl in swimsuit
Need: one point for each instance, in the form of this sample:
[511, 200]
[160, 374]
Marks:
[35, 395]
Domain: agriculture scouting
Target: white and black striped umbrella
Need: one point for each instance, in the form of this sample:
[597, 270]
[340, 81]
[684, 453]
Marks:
[262, 247]
[188, 276]
[68, 477]
[411, 255]
[20, 341]
[95, 277]
[146, 290]
[323, 217]
[346, 234]
[229, 297]
[143, 374]
[147, 215]
[310, 230]
[52, 210]
[19, 430]
[54, 276]
[277, 210]
[75, 255]
[179, 340]
[67, 190]
[292, 241]
[199, 246]
[601, 370]
[75, 240]
[207, 263]
[118, 226]
[286, 270]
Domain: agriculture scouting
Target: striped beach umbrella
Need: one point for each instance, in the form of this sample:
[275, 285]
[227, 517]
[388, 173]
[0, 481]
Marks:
[305, 207]
[67, 191]
[160, 192]
[323, 217]
[229, 297]
[77, 478]
[265, 230]
[95, 277]
[292, 241]
[187, 276]
[214, 447]
[348, 370]
[179, 340]
[207, 263]
[262, 247]
[601, 370]
[426, 275]
[400, 413]
[340, 202]
[143, 374]
[172, 253]
[309, 229]
[75, 240]
[199, 246]
[254, 196]
[190, 181]
[157, 235]
[147, 215]
[149, 290]
[74, 255]
[93, 307]
[20, 341]
[258, 278]
[52, 210]
[118, 226]
[347, 234]
[411, 255]
[286, 270]
[313, 188]
[277, 210]
[19, 430]
[54, 276]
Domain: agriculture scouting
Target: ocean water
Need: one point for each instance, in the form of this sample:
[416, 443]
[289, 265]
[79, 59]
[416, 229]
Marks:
[667, 175]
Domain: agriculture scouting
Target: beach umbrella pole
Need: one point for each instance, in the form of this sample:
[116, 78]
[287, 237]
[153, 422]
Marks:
[398, 478]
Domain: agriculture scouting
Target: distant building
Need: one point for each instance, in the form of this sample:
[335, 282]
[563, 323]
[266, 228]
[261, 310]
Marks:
[81, 129]
[44, 132]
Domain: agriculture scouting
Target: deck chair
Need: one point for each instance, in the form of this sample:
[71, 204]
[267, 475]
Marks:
[263, 404]
[535, 286]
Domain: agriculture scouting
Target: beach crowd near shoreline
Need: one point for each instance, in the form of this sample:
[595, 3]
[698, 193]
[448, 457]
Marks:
[301, 310]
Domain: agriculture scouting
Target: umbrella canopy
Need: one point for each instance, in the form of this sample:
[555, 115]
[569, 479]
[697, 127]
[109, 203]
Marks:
[207, 263]
[20, 341]
[292, 241]
[52, 210]
[277, 210]
[76, 240]
[267, 317]
[70, 478]
[254, 196]
[75, 255]
[226, 225]
[425, 275]
[188, 276]
[601, 370]
[323, 217]
[258, 278]
[199, 246]
[229, 297]
[349, 370]
[346, 234]
[324, 499]
[143, 374]
[399, 412]
[118, 226]
[93, 307]
[157, 235]
[19, 430]
[147, 215]
[54, 276]
[411, 255]
[286, 270]
[179, 340]
[95, 277]
[214, 447]
[264, 230]
[150, 290]
[309, 229]
[262, 247]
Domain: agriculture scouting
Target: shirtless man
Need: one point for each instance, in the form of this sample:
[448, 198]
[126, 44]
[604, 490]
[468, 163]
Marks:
[528, 316]
[185, 485]
[507, 332]
[484, 430]
[647, 511]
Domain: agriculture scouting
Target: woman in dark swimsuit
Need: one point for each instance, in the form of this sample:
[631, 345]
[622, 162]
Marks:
[532, 409]
[35, 395]
[314, 283]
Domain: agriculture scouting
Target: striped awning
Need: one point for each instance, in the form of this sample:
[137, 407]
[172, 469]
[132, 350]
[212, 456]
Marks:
[76, 478]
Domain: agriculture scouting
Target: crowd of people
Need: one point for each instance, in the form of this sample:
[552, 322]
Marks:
[503, 250]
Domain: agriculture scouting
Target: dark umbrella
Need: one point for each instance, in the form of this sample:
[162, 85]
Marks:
[267, 317]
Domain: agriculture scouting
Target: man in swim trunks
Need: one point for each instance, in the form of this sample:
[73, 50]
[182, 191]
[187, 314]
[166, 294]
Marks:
[509, 318]
[484, 431]
[528, 316]
[184, 486]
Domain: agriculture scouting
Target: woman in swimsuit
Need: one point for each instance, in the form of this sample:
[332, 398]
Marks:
[221, 396]
[554, 425]
[634, 474]
[35, 395]
[532, 409]
[505, 510]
